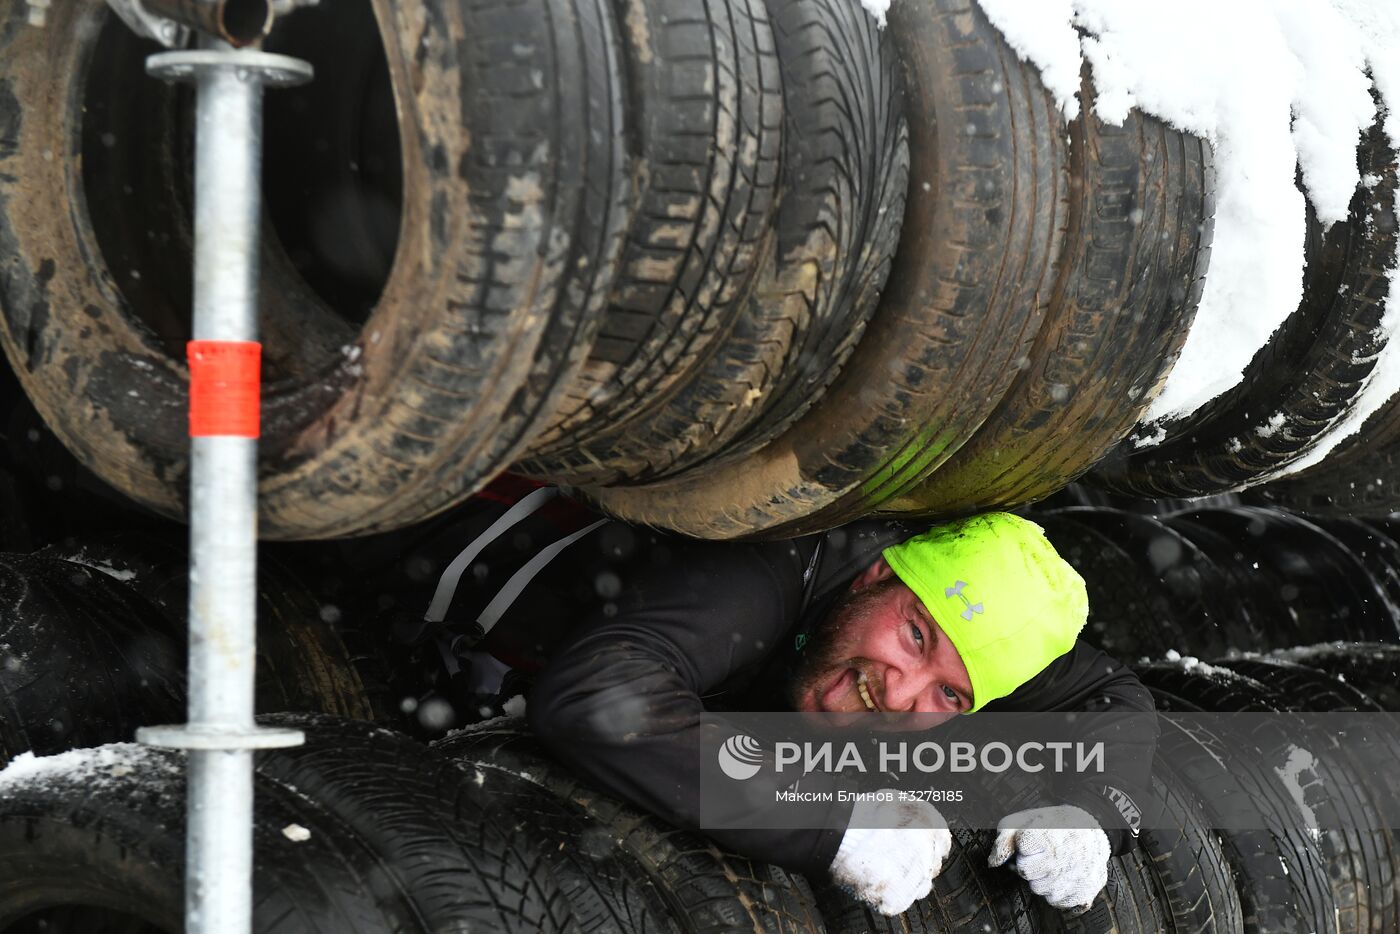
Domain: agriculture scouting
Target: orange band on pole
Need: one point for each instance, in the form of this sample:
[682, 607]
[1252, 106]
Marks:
[225, 388]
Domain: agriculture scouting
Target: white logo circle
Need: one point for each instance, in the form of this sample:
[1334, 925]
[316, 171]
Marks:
[740, 757]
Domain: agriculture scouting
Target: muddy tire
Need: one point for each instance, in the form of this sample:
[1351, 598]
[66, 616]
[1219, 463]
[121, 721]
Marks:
[1308, 375]
[1136, 251]
[514, 201]
[968, 290]
[707, 889]
[707, 102]
[845, 171]
[83, 661]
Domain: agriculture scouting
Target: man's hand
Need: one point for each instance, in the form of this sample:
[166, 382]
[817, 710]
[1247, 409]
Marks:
[1060, 852]
[891, 852]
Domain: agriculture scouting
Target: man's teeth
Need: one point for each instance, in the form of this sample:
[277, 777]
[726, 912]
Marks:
[864, 692]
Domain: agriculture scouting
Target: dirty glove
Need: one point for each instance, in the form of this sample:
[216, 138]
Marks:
[1060, 851]
[891, 852]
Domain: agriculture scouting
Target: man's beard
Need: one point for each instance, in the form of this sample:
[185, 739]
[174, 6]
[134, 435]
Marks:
[831, 643]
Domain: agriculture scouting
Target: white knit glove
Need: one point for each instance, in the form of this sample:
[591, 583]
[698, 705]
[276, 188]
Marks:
[1066, 867]
[891, 852]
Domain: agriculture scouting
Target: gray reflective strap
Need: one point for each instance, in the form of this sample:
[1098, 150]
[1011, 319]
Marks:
[521, 579]
[452, 576]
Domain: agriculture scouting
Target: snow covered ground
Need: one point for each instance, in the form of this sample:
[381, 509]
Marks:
[1274, 86]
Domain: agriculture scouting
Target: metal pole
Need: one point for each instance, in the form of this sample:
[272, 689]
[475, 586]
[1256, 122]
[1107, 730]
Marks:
[221, 734]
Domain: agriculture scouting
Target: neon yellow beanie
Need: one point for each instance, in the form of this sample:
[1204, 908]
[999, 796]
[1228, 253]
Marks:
[1009, 603]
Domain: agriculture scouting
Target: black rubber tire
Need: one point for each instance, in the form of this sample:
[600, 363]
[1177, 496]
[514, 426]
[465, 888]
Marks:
[1200, 606]
[82, 660]
[1320, 585]
[1200, 686]
[1306, 377]
[398, 842]
[109, 847]
[1297, 687]
[303, 664]
[608, 891]
[1274, 626]
[966, 896]
[967, 292]
[707, 889]
[844, 178]
[1137, 247]
[1193, 881]
[1362, 861]
[706, 100]
[1128, 903]
[1281, 877]
[1374, 547]
[516, 197]
[1130, 614]
[1372, 667]
[450, 850]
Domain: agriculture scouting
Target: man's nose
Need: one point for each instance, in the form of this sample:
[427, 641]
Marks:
[914, 692]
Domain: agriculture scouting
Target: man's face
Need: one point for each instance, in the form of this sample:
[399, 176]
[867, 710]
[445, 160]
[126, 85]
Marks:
[881, 650]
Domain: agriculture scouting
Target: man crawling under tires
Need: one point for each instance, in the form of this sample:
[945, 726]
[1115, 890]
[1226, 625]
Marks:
[634, 635]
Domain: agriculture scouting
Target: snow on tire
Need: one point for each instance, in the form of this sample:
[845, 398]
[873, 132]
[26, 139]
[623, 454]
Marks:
[1372, 667]
[1306, 378]
[1361, 856]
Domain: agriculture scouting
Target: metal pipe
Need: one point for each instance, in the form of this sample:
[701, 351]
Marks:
[221, 732]
[223, 505]
[237, 22]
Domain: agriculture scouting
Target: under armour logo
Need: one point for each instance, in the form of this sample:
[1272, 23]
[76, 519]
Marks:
[969, 607]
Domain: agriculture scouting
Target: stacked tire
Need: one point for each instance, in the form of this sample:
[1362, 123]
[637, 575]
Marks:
[646, 258]
[1209, 581]
[1324, 857]
[1302, 386]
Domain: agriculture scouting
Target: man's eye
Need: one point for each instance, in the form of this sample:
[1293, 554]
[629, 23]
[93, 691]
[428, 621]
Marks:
[918, 634]
[951, 694]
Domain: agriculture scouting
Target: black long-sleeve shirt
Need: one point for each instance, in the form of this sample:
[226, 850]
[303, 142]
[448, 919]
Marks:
[713, 625]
